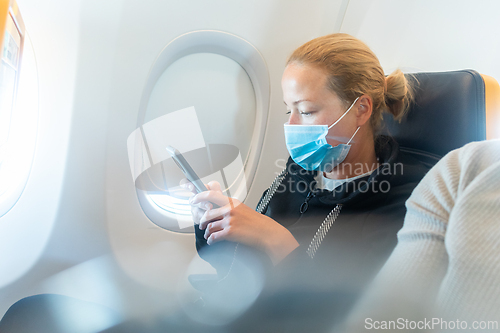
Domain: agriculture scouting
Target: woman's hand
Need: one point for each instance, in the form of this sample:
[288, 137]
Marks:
[235, 221]
[197, 210]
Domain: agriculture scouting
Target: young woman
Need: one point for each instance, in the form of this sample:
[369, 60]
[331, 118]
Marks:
[330, 219]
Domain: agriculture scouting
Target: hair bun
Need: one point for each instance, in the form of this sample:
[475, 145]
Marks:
[398, 94]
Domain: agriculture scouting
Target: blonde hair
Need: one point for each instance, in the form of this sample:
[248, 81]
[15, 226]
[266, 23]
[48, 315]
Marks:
[354, 70]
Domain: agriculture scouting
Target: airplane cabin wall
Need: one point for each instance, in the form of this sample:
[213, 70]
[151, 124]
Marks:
[79, 212]
[429, 35]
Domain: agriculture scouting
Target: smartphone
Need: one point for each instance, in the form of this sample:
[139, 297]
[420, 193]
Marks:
[186, 169]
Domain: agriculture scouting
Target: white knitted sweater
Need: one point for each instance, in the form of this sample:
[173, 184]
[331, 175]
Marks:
[447, 261]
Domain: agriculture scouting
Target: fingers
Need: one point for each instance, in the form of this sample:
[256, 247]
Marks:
[202, 206]
[214, 186]
[186, 184]
[216, 197]
[214, 227]
[213, 215]
[196, 213]
[217, 236]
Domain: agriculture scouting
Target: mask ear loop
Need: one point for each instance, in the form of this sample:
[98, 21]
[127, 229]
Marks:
[352, 137]
[335, 123]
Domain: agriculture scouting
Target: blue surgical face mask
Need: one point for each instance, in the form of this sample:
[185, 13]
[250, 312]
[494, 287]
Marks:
[308, 147]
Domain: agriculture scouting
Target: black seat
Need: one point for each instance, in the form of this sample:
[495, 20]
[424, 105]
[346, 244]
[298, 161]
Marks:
[449, 111]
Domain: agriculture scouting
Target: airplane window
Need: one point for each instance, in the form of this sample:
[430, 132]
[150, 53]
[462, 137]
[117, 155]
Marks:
[18, 112]
[224, 99]
[9, 68]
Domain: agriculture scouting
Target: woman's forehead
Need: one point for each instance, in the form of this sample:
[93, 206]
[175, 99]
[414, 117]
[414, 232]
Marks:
[302, 83]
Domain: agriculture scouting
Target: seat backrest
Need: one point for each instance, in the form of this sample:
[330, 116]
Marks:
[449, 111]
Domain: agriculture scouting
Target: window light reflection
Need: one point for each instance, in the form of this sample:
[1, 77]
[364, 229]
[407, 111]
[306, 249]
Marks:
[175, 201]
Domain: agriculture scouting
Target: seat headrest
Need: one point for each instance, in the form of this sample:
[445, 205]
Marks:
[448, 112]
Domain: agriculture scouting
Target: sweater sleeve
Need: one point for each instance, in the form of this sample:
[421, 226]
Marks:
[470, 290]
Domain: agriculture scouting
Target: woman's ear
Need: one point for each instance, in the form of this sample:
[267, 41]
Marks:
[364, 109]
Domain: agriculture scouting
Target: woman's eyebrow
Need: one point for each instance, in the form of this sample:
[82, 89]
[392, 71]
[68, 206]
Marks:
[299, 101]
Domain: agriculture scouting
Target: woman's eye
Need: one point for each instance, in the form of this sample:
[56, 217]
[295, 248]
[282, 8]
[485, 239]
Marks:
[303, 113]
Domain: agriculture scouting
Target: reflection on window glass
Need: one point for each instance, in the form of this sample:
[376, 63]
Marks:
[176, 202]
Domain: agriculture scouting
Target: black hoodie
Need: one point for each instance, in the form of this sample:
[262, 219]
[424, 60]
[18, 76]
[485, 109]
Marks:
[360, 240]
[364, 233]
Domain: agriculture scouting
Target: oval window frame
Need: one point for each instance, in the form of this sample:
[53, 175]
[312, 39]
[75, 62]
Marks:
[243, 53]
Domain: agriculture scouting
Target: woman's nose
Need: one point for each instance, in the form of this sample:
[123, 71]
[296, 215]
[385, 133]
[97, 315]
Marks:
[293, 119]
